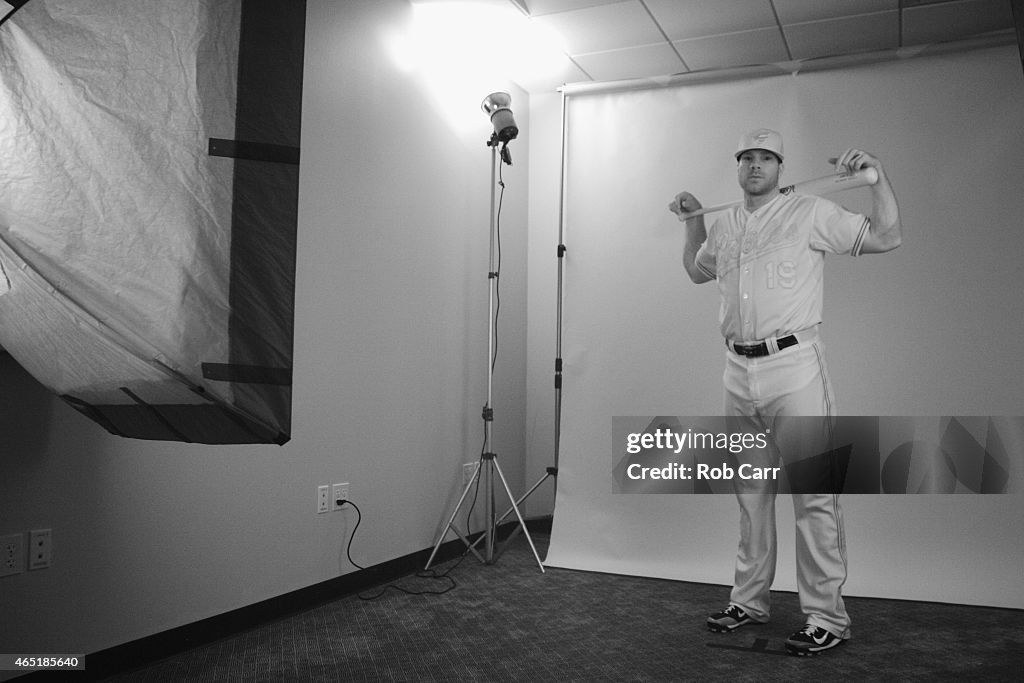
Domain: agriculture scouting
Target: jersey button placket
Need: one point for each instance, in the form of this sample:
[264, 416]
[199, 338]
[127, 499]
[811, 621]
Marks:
[746, 300]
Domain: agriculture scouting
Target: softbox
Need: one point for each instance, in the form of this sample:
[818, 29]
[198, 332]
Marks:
[148, 205]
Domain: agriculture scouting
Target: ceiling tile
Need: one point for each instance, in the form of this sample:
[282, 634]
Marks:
[637, 62]
[954, 20]
[551, 81]
[763, 46]
[861, 33]
[538, 8]
[682, 19]
[606, 27]
[618, 39]
[799, 11]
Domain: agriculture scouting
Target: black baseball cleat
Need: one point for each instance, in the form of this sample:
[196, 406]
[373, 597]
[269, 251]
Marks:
[811, 640]
[729, 619]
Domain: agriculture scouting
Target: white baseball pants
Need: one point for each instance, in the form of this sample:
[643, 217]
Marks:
[758, 392]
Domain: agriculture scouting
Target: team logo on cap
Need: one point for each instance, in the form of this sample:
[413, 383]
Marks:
[761, 138]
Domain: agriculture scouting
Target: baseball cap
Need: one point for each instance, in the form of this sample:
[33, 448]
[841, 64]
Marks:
[761, 138]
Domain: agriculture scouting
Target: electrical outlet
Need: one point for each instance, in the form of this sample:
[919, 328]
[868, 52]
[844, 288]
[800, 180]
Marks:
[338, 492]
[323, 503]
[468, 470]
[40, 548]
[12, 554]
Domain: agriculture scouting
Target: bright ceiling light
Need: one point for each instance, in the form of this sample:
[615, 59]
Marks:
[463, 49]
[483, 34]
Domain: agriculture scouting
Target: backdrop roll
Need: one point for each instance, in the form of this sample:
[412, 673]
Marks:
[921, 331]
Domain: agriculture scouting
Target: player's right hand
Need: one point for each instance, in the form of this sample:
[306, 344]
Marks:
[684, 203]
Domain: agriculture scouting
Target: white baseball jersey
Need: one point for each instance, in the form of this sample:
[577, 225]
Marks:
[770, 263]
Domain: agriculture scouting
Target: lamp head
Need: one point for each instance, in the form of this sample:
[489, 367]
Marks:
[497, 107]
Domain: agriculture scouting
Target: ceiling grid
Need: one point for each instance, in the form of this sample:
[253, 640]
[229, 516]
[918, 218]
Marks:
[610, 40]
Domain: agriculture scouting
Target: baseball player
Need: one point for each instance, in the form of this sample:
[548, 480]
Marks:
[768, 256]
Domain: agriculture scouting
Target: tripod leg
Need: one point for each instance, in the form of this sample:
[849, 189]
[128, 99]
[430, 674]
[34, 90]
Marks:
[490, 530]
[522, 523]
[519, 502]
[526, 495]
[451, 521]
[508, 512]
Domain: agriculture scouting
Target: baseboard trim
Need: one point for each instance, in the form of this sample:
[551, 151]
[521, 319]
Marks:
[149, 649]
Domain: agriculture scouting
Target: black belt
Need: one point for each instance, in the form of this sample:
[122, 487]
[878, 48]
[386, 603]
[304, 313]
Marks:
[761, 348]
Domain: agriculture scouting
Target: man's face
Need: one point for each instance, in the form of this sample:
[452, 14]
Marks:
[758, 172]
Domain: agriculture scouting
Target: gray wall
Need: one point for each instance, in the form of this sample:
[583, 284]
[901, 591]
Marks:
[390, 377]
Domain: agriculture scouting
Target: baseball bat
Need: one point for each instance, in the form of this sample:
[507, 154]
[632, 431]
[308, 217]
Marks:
[815, 186]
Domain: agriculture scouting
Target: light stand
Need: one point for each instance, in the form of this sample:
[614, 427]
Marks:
[497, 106]
[552, 472]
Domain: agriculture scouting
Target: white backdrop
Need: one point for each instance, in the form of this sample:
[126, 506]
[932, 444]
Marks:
[927, 330]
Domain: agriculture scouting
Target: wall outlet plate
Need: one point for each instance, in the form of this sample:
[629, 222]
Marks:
[12, 554]
[323, 503]
[338, 492]
[40, 548]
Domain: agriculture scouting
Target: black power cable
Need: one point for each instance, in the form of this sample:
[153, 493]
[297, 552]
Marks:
[431, 574]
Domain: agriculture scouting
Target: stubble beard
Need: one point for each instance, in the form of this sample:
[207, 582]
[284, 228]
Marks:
[759, 187]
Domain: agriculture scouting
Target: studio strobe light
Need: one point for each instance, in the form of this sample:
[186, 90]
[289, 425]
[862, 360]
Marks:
[497, 106]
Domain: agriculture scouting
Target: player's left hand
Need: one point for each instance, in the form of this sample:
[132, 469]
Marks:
[853, 160]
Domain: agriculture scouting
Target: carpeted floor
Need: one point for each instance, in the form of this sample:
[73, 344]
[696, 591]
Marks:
[509, 622]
